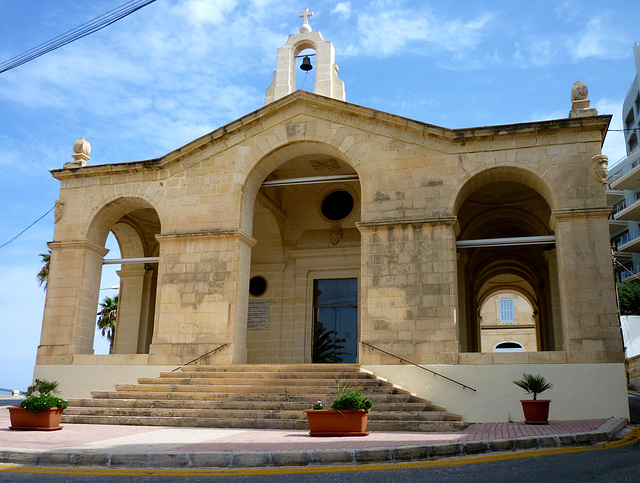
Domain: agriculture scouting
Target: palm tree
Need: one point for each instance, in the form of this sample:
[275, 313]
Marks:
[43, 274]
[107, 319]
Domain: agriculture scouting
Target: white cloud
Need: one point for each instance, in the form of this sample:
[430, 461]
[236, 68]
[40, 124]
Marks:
[343, 9]
[385, 33]
[599, 39]
[206, 11]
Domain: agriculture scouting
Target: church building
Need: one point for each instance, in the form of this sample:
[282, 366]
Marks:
[313, 230]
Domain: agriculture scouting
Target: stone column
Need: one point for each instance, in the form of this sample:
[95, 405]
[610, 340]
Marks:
[69, 320]
[555, 311]
[408, 291]
[590, 324]
[203, 281]
[147, 314]
[129, 309]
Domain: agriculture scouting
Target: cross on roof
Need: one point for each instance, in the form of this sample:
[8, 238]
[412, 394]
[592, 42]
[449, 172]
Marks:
[306, 14]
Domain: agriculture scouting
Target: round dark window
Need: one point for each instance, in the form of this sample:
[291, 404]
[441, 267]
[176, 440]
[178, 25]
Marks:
[337, 205]
[257, 286]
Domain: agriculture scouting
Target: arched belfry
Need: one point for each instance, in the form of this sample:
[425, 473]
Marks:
[327, 81]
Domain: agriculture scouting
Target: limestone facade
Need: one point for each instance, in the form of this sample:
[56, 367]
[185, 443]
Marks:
[359, 228]
[417, 189]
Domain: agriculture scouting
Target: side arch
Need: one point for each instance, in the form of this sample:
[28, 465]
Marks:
[482, 176]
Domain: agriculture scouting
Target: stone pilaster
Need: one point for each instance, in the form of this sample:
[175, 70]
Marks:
[590, 322]
[68, 324]
[408, 291]
[202, 302]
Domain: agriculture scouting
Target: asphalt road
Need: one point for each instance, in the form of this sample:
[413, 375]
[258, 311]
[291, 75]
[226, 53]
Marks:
[611, 465]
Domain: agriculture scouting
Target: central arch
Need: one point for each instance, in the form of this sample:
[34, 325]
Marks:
[301, 204]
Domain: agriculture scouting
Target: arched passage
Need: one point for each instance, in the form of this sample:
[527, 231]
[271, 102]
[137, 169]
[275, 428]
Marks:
[305, 206]
[506, 246]
[135, 224]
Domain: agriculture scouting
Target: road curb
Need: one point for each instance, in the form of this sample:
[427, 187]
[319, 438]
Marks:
[298, 458]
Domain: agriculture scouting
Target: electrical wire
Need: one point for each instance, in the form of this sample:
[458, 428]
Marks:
[83, 30]
[15, 237]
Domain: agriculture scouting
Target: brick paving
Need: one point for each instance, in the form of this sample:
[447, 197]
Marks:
[152, 439]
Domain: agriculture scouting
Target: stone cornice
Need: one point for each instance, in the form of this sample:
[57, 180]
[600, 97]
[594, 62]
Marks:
[598, 212]
[78, 244]
[232, 133]
[445, 220]
[240, 234]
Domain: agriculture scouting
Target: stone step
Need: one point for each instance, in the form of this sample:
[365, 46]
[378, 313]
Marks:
[334, 384]
[325, 375]
[249, 413]
[252, 368]
[248, 388]
[215, 396]
[238, 404]
[256, 396]
[252, 423]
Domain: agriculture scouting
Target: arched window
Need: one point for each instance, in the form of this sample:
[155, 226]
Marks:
[508, 347]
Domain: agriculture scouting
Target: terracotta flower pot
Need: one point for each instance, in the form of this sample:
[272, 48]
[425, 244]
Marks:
[536, 411]
[47, 420]
[329, 422]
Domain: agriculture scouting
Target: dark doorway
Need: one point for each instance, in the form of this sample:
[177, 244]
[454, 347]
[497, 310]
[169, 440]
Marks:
[335, 320]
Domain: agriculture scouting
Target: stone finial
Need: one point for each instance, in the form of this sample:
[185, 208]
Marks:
[306, 28]
[580, 102]
[81, 150]
[82, 146]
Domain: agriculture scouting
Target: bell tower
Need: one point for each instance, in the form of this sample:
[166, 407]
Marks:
[284, 77]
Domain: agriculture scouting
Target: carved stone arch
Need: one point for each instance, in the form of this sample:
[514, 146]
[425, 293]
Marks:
[278, 156]
[520, 220]
[111, 212]
[482, 176]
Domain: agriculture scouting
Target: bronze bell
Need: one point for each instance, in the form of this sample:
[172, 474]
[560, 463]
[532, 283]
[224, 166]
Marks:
[306, 64]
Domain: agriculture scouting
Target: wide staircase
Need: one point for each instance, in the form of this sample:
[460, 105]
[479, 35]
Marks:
[259, 396]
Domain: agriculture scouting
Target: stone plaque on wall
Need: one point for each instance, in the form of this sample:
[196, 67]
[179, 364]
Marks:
[258, 318]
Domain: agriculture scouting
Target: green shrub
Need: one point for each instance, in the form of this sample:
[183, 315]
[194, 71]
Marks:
[351, 401]
[39, 397]
[35, 404]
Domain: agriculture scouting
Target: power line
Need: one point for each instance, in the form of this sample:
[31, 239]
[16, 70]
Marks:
[83, 30]
[15, 237]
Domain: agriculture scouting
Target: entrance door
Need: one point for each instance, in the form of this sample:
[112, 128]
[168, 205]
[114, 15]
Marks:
[335, 324]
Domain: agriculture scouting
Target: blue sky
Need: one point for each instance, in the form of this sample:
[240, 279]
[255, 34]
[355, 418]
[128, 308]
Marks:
[178, 69]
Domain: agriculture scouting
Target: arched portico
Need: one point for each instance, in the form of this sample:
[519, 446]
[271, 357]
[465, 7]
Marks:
[306, 203]
[505, 243]
[74, 281]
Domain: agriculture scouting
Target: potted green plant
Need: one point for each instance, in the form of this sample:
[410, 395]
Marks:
[347, 417]
[536, 411]
[40, 410]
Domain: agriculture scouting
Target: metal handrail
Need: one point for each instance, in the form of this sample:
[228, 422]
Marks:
[198, 358]
[414, 364]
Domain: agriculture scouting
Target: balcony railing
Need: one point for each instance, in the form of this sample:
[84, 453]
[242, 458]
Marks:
[623, 240]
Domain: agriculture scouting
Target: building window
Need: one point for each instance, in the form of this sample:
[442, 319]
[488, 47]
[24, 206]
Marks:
[337, 205]
[633, 142]
[257, 286]
[509, 347]
[506, 310]
[629, 119]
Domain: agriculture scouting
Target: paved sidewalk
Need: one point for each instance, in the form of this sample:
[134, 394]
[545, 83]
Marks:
[168, 447]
